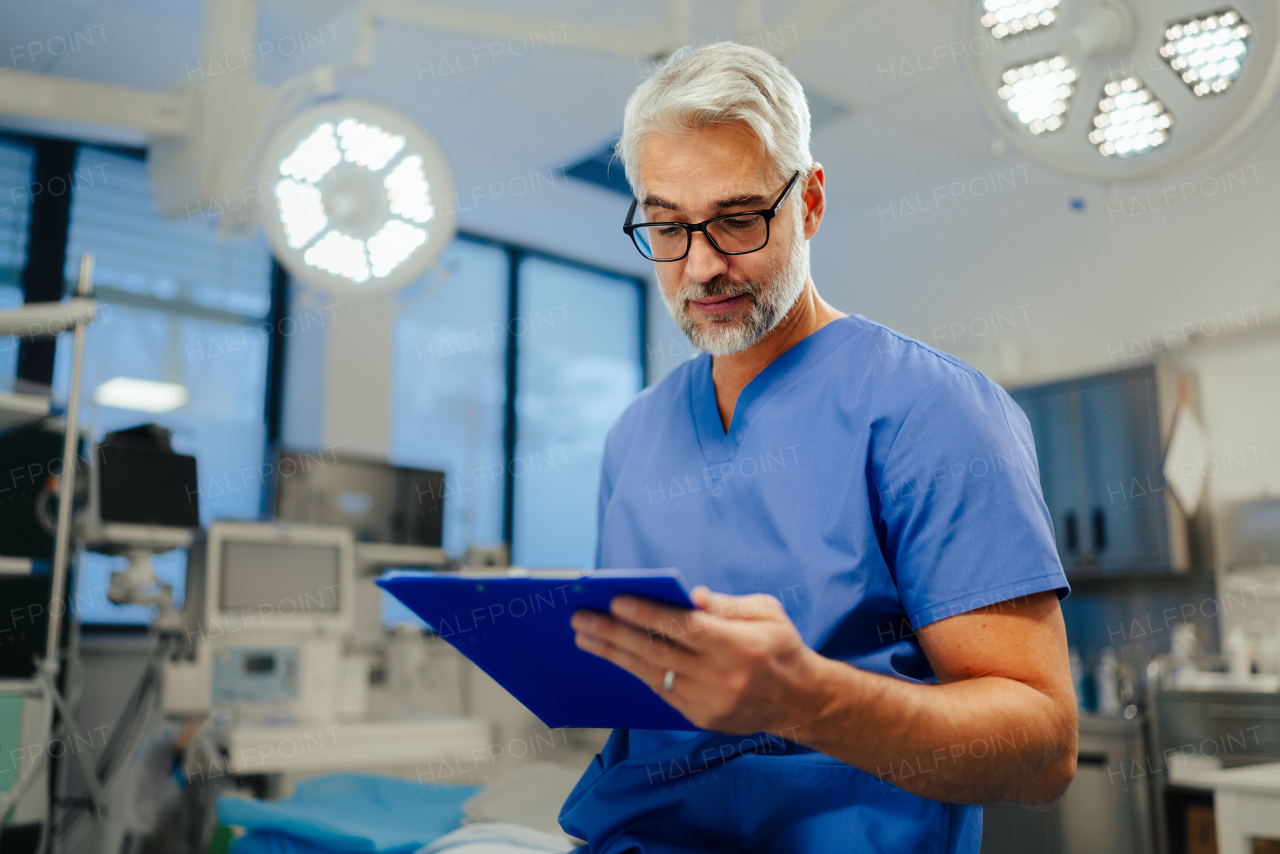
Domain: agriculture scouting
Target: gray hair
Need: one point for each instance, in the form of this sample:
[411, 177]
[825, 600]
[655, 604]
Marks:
[717, 84]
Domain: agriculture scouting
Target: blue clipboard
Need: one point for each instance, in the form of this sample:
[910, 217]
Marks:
[515, 627]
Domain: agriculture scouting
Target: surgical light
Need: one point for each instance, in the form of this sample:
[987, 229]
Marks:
[361, 197]
[1010, 17]
[1207, 51]
[1130, 119]
[1039, 93]
[140, 395]
[1224, 57]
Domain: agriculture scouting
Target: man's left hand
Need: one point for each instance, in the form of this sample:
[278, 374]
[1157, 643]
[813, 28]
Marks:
[740, 665]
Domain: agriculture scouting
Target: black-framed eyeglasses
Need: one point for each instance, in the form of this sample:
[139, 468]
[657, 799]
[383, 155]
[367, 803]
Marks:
[732, 234]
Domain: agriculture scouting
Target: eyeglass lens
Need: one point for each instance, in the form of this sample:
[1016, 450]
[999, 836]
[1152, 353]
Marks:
[660, 242]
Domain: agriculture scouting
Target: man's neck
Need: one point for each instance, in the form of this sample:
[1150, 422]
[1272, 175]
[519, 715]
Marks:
[731, 373]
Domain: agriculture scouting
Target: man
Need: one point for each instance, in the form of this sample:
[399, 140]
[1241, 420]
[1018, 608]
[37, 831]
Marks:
[885, 651]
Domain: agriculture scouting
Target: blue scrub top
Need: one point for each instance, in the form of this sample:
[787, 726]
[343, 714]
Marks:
[873, 485]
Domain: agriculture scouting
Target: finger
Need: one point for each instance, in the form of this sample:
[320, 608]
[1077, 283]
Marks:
[656, 618]
[641, 643]
[756, 606]
[701, 596]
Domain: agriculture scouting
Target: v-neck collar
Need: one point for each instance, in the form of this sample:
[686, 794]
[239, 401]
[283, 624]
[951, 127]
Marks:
[719, 446]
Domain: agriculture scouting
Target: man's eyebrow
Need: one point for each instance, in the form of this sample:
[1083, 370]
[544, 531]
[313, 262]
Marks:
[740, 201]
[652, 201]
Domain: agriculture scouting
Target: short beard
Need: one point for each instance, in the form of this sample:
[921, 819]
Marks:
[770, 303]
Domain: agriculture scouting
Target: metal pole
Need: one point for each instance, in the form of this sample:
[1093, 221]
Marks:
[67, 483]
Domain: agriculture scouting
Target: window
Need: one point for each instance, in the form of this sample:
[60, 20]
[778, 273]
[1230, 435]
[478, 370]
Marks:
[449, 388]
[580, 354]
[576, 333]
[179, 306]
[15, 209]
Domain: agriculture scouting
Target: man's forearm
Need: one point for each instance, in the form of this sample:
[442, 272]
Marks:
[978, 741]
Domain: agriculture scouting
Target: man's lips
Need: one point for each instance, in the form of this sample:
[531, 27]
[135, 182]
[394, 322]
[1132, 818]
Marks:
[719, 305]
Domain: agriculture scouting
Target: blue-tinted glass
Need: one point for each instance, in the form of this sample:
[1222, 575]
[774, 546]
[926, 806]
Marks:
[448, 393]
[15, 210]
[179, 306]
[182, 261]
[579, 366]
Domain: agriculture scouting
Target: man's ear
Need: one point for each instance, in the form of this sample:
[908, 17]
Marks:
[814, 199]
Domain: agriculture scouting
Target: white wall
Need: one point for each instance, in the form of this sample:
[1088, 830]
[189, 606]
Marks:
[1240, 388]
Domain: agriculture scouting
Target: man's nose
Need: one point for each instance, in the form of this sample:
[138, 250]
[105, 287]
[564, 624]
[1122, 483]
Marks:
[704, 262]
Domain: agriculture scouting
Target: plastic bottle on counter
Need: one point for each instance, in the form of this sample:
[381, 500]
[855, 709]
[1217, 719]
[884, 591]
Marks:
[1184, 646]
[1108, 679]
[1239, 656]
[1267, 648]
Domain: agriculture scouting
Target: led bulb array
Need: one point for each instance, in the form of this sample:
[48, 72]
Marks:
[1207, 51]
[370, 147]
[1010, 17]
[1130, 119]
[313, 157]
[1039, 93]
[407, 189]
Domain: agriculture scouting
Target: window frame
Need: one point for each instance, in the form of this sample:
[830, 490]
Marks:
[516, 252]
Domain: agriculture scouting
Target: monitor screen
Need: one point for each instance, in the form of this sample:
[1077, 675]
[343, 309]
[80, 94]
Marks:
[279, 579]
[146, 487]
[380, 503]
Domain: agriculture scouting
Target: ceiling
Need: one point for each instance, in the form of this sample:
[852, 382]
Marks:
[898, 121]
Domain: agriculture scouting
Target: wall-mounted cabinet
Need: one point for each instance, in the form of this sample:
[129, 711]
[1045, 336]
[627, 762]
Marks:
[1100, 441]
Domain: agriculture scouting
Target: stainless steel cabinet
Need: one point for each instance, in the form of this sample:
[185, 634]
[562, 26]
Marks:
[1100, 445]
[1233, 728]
[1105, 811]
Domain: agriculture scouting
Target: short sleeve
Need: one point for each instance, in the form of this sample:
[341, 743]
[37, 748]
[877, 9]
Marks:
[964, 521]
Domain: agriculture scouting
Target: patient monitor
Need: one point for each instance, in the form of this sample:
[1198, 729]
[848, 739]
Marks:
[270, 626]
